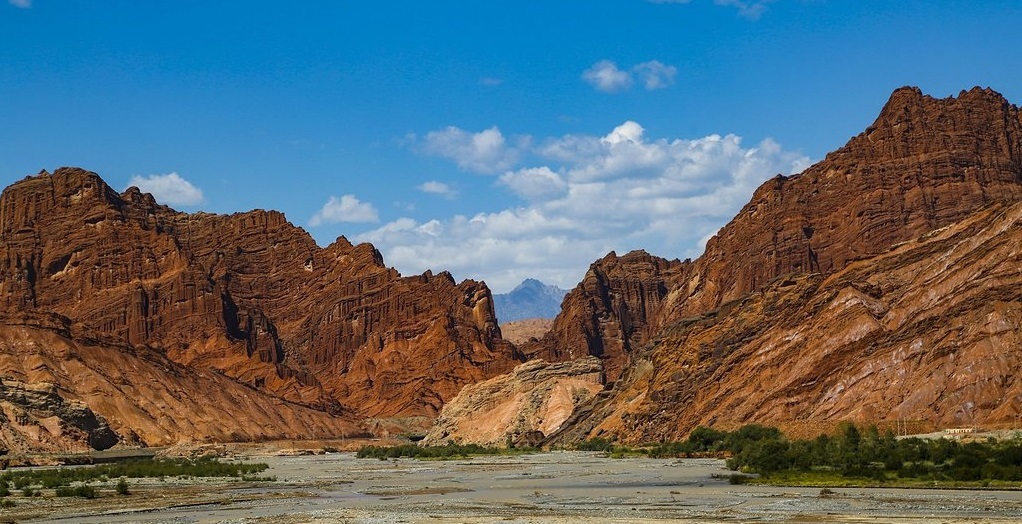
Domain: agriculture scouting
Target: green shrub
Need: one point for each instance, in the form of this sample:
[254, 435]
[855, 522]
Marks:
[595, 444]
[83, 491]
[738, 479]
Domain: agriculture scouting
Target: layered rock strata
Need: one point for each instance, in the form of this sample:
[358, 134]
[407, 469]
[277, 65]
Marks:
[519, 408]
[924, 164]
[248, 296]
[929, 333]
[64, 389]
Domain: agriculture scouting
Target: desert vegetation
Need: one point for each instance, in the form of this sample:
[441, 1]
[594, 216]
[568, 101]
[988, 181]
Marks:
[852, 456]
[78, 481]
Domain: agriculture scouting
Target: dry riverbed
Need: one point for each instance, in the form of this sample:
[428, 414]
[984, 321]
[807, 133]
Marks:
[553, 487]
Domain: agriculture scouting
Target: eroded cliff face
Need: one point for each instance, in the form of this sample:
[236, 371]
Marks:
[248, 295]
[614, 310]
[519, 408]
[924, 164]
[929, 332]
[64, 389]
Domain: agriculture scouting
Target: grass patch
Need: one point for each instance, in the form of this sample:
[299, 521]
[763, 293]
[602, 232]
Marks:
[62, 479]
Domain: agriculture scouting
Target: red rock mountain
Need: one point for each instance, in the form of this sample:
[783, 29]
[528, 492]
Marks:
[248, 296]
[924, 164]
[928, 333]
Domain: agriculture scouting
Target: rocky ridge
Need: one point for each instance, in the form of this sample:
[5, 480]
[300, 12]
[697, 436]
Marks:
[929, 333]
[924, 164]
[248, 296]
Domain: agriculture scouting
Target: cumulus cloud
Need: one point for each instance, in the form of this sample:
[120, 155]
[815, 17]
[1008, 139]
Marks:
[484, 152]
[169, 189]
[490, 81]
[587, 195]
[438, 188]
[605, 76]
[348, 208]
[24, 4]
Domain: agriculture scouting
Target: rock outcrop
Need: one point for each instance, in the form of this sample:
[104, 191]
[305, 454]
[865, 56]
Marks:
[34, 416]
[519, 408]
[924, 164]
[248, 296]
[66, 390]
[929, 332]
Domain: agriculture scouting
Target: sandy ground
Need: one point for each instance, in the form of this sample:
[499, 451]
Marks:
[554, 487]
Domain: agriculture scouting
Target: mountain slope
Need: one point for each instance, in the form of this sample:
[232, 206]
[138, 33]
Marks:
[929, 332]
[249, 296]
[924, 164]
[530, 299]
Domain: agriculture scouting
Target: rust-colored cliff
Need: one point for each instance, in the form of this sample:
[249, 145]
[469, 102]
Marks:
[248, 296]
[924, 164]
[929, 333]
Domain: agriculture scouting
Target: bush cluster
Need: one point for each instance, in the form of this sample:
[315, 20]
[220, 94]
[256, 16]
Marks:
[73, 482]
[850, 453]
[868, 454]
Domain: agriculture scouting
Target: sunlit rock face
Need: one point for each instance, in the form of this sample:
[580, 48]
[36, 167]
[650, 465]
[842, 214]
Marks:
[519, 408]
[247, 296]
[925, 165]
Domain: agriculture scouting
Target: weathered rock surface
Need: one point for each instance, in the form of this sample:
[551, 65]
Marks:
[65, 390]
[930, 331]
[522, 331]
[248, 295]
[34, 416]
[518, 408]
[924, 164]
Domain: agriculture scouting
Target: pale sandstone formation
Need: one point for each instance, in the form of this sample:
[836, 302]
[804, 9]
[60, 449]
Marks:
[518, 408]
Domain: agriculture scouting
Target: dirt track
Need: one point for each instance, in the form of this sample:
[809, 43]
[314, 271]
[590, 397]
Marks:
[545, 488]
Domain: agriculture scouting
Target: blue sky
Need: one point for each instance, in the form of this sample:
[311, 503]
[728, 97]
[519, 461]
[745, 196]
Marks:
[496, 140]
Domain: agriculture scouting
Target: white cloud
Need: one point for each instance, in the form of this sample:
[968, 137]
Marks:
[655, 75]
[535, 182]
[344, 209]
[605, 76]
[24, 4]
[484, 152]
[490, 81]
[588, 195]
[169, 189]
[438, 188]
